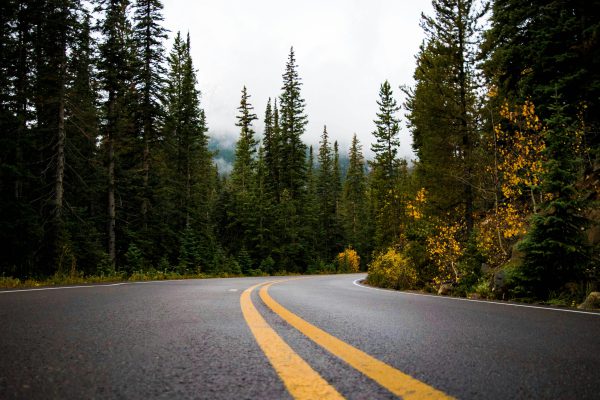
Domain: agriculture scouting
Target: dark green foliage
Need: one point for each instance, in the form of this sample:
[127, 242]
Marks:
[268, 265]
[555, 248]
[134, 259]
[148, 36]
[312, 205]
[272, 143]
[388, 171]
[119, 138]
[262, 236]
[190, 256]
[354, 204]
[244, 261]
[326, 192]
[289, 123]
[292, 122]
[538, 49]
[188, 180]
[443, 115]
[386, 135]
[245, 148]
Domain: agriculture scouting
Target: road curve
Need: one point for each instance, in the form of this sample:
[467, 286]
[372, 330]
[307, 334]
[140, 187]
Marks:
[190, 339]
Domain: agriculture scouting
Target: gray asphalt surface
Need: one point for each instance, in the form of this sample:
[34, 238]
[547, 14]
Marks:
[188, 339]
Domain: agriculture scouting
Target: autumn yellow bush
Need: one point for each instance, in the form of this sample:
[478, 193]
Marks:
[445, 250]
[392, 270]
[348, 261]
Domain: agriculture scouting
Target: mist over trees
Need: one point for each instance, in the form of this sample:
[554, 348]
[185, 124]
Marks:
[106, 169]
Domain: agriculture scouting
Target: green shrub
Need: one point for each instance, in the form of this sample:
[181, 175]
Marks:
[482, 288]
[267, 265]
[320, 267]
[134, 258]
[9, 282]
[392, 270]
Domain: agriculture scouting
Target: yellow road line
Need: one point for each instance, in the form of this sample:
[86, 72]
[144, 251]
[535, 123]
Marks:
[390, 378]
[301, 381]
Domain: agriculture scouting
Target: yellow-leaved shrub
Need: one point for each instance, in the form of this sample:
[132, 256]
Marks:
[445, 249]
[348, 261]
[392, 270]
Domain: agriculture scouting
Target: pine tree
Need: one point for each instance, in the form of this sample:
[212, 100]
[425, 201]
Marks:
[292, 122]
[354, 203]
[189, 176]
[116, 71]
[312, 205]
[243, 178]
[326, 198]
[19, 211]
[337, 236]
[289, 125]
[443, 107]
[555, 247]
[245, 151]
[51, 86]
[386, 136]
[148, 36]
[387, 169]
[84, 176]
[271, 144]
[262, 236]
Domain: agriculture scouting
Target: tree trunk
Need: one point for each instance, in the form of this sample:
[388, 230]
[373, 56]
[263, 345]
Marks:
[146, 168]
[57, 217]
[112, 249]
[466, 136]
[60, 151]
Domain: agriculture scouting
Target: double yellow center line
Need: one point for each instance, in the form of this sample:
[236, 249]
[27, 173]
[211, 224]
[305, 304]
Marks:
[299, 378]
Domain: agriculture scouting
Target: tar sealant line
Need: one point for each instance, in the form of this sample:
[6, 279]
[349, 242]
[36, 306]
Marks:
[158, 281]
[357, 283]
[62, 287]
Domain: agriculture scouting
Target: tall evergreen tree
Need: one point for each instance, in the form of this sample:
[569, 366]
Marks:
[243, 179]
[85, 182]
[116, 71]
[387, 169]
[354, 202]
[271, 144]
[188, 171]
[312, 210]
[443, 106]
[148, 36]
[386, 135]
[326, 198]
[555, 249]
[32, 97]
[261, 239]
[338, 239]
[52, 42]
[245, 151]
[292, 122]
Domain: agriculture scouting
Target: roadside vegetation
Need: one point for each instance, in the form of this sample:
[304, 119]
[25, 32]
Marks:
[106, 173]
[502, 201]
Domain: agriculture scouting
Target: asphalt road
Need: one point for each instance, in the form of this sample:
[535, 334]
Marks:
[190, 339]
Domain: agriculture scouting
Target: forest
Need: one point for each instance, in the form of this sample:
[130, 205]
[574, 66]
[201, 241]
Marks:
[106, 171]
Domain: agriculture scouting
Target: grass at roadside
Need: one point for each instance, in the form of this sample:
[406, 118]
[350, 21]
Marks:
[7, 282]
[57, 280]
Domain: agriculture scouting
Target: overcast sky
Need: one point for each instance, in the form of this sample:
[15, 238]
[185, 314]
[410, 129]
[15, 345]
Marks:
[344, 49]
